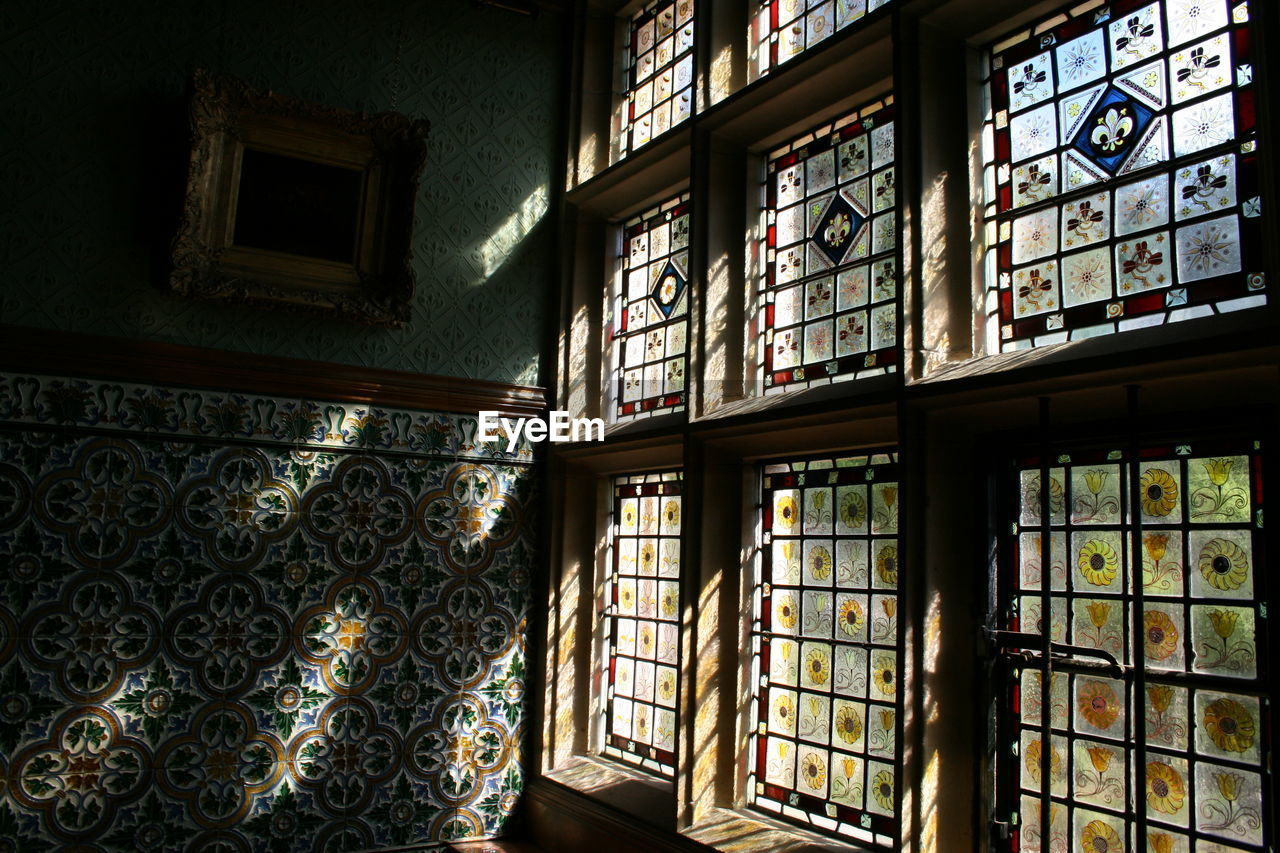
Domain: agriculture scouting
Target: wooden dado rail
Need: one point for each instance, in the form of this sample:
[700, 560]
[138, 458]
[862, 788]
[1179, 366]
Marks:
[48, 352]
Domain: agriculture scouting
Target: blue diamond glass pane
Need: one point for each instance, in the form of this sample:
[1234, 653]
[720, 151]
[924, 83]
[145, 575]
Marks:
[667, 292]
[837, 229]
[1113, 129]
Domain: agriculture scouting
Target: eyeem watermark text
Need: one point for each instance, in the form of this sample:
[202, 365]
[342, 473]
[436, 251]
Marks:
[560, 428]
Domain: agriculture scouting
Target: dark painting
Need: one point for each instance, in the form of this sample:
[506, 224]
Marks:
[298, 206]
[288, 204]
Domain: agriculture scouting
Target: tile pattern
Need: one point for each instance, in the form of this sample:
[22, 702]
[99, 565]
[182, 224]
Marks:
[243, 623]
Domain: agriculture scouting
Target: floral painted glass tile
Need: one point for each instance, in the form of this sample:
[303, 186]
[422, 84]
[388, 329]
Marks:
[658, 74]
[1149, 557]
[650, 312]
[825, 643]
[1121, 174]
[783, 29]
[641, 610]
[829, 299]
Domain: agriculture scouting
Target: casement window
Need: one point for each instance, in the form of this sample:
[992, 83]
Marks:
[829, 297]
[826, 647]
[1148, 718]
[1122, 171]
[783, 29]
[649, 314]
[641, 622]
[884, 211]
[658, 70]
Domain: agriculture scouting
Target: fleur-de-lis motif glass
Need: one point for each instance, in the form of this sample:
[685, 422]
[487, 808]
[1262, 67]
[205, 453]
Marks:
[828, 300]
[1121, 183]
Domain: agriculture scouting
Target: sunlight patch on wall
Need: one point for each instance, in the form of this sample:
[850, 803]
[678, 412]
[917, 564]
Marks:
[495, 251]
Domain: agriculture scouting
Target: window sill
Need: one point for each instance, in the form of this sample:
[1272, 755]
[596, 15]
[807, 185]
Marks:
[636, 427]
[625, 183]
[851, 391]
[1207, 342]
[644, 797]
[739, 829]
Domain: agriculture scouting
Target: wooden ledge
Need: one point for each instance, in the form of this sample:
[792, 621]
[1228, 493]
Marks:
[45, 351]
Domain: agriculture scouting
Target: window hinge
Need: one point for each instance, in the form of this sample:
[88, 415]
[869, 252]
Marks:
[1001, 829]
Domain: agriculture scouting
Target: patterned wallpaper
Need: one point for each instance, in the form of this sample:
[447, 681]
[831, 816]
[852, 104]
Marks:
[95, 139]
[234, 623]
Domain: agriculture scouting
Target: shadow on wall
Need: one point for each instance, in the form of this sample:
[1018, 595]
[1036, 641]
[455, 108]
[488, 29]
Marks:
[96, 115]
[232, 623]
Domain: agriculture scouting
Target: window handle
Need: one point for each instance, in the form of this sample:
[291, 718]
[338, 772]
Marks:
[1028, 648]
[1084, 656]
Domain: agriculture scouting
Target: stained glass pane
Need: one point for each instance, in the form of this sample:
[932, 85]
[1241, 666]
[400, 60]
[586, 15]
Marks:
[641, 610]
[829, 296]
[783, 29]
[1121, 182]
[650, 311]
[1151, 558]
[825, 642]
[658, 63]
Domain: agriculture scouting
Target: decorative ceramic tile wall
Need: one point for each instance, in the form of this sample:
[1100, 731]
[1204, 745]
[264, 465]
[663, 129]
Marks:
[233, 623]
[94, 122]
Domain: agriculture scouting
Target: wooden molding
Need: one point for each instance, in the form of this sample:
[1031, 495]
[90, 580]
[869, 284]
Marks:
[44, 351]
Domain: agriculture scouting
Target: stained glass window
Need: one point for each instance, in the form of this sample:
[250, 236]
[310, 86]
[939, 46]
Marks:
[651, 310]
[642, 622]
[826, 646]
[1122, 181]
[782, 29]
[829, 296]
[1154, 558]
[659, 73]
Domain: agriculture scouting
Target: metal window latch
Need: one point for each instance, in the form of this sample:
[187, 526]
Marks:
[1027, 649]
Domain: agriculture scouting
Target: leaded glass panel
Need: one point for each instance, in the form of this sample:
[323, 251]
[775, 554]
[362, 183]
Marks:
[642, 622]
[1153, 557]
[1121, 182]
[783, 29]
[650, 316]
[825, 643]
[658, 66]
[829, 299]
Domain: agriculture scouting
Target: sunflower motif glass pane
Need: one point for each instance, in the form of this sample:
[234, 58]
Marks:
[825, 641]
[1153, 561]
[641, 622]
[1122, 174]
[650, 312]
[658, 72]
[783, 29]
[828, 303]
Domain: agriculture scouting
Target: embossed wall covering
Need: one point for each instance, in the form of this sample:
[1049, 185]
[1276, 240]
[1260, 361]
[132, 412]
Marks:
[234, 623]
[93, 120]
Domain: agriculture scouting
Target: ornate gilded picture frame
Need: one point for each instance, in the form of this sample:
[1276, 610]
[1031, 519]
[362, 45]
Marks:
[298, 206]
